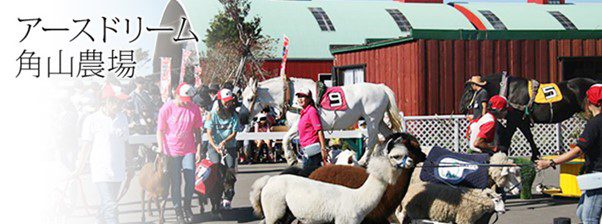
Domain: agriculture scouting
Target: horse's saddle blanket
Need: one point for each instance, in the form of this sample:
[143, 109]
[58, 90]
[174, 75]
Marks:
[204, 177]
[446, 167]
[334, 99]
[546, 93]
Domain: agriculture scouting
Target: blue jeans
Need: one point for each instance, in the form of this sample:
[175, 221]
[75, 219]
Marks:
[230, 159]
[312, 163]
[590, 206]
[184, 164]
[107, 212]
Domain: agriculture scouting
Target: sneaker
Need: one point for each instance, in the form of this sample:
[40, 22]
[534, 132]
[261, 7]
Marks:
[188, 214]
[226, 204]
[180, 216]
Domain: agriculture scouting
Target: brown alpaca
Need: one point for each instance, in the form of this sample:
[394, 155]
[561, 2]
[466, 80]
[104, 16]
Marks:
[354, 177]
[154, 181]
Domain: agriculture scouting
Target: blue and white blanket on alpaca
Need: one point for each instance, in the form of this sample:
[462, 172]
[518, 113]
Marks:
[447, 167]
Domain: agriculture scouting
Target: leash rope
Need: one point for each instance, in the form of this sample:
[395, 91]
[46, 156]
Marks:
[474, 164]
[496, 217]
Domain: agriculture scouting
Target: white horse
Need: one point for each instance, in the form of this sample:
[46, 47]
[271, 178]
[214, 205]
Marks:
[368, 100]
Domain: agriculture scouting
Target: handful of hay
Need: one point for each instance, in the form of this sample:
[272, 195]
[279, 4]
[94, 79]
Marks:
[527, 175]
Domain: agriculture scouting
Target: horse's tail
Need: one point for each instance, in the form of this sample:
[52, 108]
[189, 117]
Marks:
[255, 195]
[393, 111]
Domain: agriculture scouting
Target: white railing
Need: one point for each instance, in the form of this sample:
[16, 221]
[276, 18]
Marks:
[243, 136]
[448, 131]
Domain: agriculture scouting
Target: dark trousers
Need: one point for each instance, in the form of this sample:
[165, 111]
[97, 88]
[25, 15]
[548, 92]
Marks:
[312, 163]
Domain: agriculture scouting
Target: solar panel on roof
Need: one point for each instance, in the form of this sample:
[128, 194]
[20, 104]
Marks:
[566, 22]
[400, 19]
[322, 19]
[493, 19]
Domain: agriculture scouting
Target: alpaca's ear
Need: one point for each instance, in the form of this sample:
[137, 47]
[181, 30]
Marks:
[415, 144]
[388, 146]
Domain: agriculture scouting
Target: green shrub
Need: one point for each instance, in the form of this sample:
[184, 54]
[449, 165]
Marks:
[527, 175]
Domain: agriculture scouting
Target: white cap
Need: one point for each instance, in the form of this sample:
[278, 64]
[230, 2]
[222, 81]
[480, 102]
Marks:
[186, 90]
[260, 116]
[225, 95]
[303, 91]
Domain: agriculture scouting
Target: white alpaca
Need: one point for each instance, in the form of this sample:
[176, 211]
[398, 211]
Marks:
[345, 157]
[318, 202]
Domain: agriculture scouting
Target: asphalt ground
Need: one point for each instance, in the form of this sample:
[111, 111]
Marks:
[541, 209]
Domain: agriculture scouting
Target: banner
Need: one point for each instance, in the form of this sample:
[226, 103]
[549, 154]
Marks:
[165, 77]
[284, 55]
[185, 56]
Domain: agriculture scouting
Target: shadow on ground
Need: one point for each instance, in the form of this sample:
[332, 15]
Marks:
[241, 215]
[539, 201]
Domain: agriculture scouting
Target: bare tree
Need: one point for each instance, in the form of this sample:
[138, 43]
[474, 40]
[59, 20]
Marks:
[236, 47]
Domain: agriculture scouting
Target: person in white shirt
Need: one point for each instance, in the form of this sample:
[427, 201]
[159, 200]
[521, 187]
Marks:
[104, 136]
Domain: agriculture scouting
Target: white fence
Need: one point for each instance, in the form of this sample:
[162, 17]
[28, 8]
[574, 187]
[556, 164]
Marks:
[449, 131]
[151, 139]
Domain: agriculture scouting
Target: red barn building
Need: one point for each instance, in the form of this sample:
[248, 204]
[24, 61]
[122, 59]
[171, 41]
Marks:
[428, 68]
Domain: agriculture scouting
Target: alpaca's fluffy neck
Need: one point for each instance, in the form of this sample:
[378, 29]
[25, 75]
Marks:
[401, 186]
[370, 193]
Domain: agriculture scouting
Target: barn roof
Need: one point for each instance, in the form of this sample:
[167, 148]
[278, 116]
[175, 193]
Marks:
[353, 22]
[476, 35]
[532, 16]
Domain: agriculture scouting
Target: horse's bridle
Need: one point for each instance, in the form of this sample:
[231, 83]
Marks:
[512, 188]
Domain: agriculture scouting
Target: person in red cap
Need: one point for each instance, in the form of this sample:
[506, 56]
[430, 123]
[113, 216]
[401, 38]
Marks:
[482, 131]
[104, 135]
[222, 126]
[311, 134]
[589, 144]
[179, 137]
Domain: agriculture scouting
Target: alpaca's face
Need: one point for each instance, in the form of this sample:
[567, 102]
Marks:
[399, 156]
[511, 175]
[498, 202]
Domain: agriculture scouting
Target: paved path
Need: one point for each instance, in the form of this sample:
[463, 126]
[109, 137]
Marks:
[542, 209]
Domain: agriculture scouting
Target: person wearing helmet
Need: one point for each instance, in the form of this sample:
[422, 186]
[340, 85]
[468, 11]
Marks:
[222, 125]
[179, 138]
[482, 131]
[589, 144]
